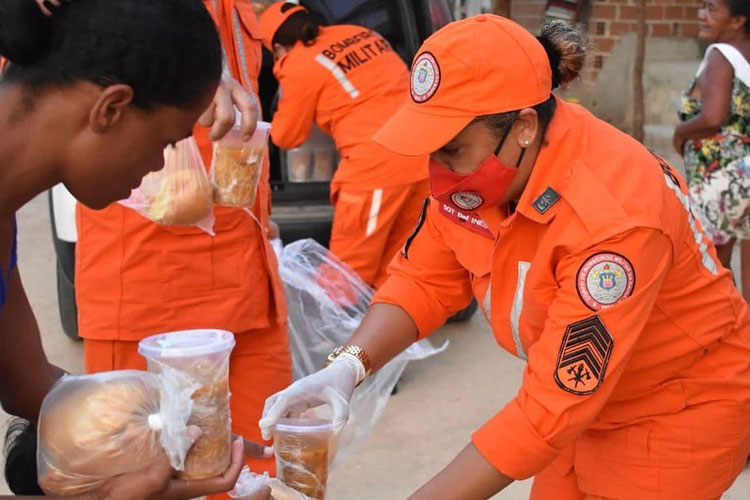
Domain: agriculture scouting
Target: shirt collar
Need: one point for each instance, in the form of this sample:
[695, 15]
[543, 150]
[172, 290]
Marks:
[552, 169]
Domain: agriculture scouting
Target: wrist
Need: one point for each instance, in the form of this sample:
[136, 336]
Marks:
[354, 355]
[357, 365]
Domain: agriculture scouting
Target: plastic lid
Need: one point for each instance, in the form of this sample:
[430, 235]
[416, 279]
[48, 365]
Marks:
[304, 425]
[186, 343]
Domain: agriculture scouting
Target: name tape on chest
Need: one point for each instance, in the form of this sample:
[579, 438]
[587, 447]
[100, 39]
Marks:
[469, 221]
[605, 279]
[583, 357]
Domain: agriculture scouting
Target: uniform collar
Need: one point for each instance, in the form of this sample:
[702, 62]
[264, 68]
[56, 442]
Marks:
[544, 190]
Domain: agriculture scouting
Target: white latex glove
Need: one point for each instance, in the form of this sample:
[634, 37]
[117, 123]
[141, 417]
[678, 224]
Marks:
[333, 385]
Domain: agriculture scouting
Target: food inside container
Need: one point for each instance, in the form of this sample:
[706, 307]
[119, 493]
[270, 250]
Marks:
[303, 449]
[237, 165]
[202, 355]
[315, 160]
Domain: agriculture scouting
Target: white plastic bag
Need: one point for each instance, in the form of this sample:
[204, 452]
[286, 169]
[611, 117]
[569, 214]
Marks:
[94, 427]
[327, 301]
[179, 194]
[250, 486]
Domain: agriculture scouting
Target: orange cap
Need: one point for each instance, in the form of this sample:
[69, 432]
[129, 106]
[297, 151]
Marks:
[482, 65]
[272, 19]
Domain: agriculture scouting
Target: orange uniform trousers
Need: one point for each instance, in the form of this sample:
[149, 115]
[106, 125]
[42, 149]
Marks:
[371, 226]
[259, 366]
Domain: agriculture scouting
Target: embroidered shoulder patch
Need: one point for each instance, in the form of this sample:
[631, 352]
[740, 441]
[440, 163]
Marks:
[417, 228]
[605, 279]
[583, 357]
[545, 200]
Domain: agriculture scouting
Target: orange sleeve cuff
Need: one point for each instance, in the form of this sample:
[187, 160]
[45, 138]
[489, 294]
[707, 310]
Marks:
[512, 445]
[404, 292]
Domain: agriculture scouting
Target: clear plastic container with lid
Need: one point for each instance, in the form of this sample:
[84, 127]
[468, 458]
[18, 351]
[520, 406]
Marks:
[313, 161]
[202, 355]
[237, 165]
[303, 452]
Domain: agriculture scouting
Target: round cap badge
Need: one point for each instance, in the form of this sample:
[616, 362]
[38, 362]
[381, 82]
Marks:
[467, 200]
[605, 279]
[425, 77]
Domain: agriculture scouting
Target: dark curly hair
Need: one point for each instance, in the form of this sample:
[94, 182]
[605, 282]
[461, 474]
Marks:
[20, 458]
[740, 8]
[168, 51]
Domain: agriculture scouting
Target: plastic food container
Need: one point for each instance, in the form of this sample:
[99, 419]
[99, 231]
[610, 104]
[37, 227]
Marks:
[315, 160]
[203, 355]
[302, 454]
[237, 165]
[310, 164]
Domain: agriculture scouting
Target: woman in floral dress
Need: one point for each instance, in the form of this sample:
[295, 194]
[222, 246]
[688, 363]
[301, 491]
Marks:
[714, 135]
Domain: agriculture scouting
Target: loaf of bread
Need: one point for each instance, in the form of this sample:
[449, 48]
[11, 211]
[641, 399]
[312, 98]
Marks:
[178, 194]
[184, 199]
[91, 429]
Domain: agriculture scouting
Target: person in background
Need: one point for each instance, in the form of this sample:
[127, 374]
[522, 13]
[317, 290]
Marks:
[135, 278]
[348, 81]
[589, 266]
[714, 136]
[88, 102]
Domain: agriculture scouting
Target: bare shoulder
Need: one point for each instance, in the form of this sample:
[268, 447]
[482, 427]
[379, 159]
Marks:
[718, 71]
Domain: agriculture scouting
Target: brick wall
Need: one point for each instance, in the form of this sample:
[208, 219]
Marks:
[529, 13]
[610, 20]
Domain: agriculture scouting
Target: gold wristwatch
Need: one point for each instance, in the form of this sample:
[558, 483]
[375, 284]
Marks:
[355, 351]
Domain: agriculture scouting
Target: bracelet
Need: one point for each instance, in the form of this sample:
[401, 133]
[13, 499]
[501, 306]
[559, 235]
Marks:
[355, 351]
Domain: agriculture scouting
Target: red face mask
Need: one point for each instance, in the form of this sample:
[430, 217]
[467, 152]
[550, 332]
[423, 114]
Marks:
[485, 186]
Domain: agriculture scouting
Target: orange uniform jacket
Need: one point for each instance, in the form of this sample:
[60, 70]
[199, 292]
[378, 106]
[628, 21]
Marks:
[135, 278]
[349, 82]
[603, 281]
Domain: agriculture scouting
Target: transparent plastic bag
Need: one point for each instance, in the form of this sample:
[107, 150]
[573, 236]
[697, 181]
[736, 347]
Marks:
[327, 301]
[94, 427]
[250, 485]
[203, 356]
[237, 165]
[180, 194]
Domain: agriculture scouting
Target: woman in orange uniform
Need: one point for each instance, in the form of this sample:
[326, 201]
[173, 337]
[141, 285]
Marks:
[580, 245]
[91, 97]
[349, 81]
[135, 278]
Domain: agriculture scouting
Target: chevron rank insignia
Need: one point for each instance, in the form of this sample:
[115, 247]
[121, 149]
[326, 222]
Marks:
[584, 354]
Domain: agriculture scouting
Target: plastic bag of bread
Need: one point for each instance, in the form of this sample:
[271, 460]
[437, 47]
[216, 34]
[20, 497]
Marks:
[94, 427]
[180, 193]
[237, 165]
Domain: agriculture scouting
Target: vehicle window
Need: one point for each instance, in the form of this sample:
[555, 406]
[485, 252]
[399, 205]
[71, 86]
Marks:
[431, 16]
[440, 14]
